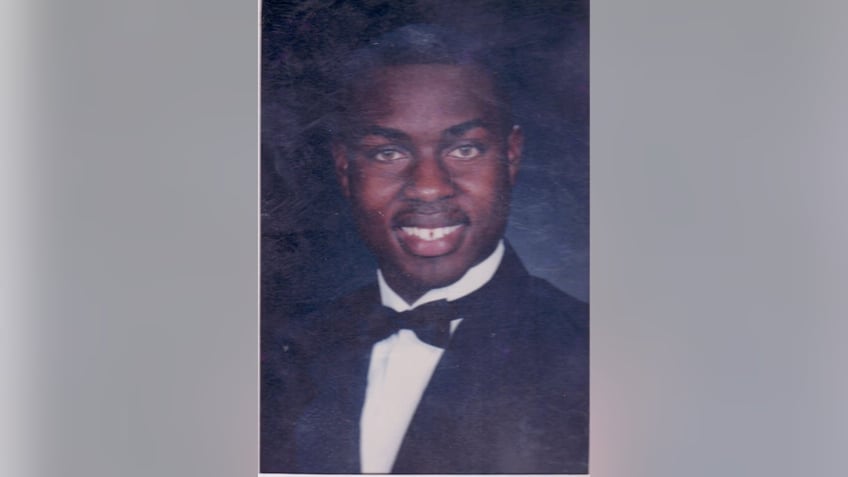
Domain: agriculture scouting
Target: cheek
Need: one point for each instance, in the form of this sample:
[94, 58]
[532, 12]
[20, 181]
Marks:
[372, 200]
[488, 194]
[372, 193]
[373, 207]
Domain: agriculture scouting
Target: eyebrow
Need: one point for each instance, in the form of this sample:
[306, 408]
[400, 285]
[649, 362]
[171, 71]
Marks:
[463, 128]
[398, 135]
[388, 133]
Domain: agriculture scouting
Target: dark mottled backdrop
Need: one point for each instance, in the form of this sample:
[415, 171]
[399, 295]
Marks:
[310, 251]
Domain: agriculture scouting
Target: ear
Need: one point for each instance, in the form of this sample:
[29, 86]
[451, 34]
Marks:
[514, 146]
[342, 166]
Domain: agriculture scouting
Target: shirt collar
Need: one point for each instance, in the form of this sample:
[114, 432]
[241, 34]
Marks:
[473, 280]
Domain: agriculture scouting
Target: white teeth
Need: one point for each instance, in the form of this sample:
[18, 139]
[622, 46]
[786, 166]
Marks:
[430, 234]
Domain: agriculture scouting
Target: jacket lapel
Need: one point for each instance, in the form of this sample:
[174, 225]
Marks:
[327, 434]
[444, 434]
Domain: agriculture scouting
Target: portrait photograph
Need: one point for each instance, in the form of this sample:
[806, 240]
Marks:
[424, 237]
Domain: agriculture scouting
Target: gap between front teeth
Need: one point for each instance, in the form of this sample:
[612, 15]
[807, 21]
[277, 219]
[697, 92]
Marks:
[429, 234]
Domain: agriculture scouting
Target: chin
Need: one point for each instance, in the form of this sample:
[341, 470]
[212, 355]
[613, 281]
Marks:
[428, 276]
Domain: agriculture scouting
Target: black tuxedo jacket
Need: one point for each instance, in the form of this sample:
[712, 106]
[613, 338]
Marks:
[509, 395]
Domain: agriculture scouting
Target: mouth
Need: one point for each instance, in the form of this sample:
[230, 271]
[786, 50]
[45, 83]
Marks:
[430, 234]
[431, 241]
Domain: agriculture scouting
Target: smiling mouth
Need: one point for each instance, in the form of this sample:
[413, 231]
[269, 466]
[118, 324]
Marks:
[430, 234]
[431, 241]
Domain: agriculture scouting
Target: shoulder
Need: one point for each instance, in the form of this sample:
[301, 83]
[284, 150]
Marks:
[553, 320]
[293, 358]
[557, 308]
[536, 300]
[291, 351]
[336, 322]
[542, 324]
[530, 308]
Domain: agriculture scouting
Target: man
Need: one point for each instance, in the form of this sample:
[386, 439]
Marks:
[456, 360]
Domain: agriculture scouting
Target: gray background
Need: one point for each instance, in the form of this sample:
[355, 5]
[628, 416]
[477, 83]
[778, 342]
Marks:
[718, 228]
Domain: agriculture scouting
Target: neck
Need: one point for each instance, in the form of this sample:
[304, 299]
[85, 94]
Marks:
[410, 292]
[396, 287]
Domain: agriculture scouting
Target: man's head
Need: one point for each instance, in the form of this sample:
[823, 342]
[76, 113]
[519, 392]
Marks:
[427, 155]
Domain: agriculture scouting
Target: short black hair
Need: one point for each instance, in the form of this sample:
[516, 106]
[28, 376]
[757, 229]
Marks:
[419, 44]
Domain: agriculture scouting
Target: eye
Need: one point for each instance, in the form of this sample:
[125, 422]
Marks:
[390, 154]
[465, 152]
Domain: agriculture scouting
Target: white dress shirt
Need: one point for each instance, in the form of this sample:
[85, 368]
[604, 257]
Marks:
[401, 366]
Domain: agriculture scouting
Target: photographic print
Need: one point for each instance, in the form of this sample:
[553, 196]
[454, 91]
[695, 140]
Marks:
[425, 237]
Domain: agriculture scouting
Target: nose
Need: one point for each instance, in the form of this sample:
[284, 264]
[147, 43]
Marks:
[429, 180]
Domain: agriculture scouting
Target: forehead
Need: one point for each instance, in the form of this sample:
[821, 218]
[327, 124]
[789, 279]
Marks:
[434, 92]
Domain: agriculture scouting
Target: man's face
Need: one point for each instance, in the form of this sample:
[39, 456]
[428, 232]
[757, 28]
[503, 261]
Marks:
[428, 170]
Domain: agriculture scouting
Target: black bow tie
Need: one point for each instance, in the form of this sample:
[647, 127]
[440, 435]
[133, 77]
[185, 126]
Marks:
[430, 322]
